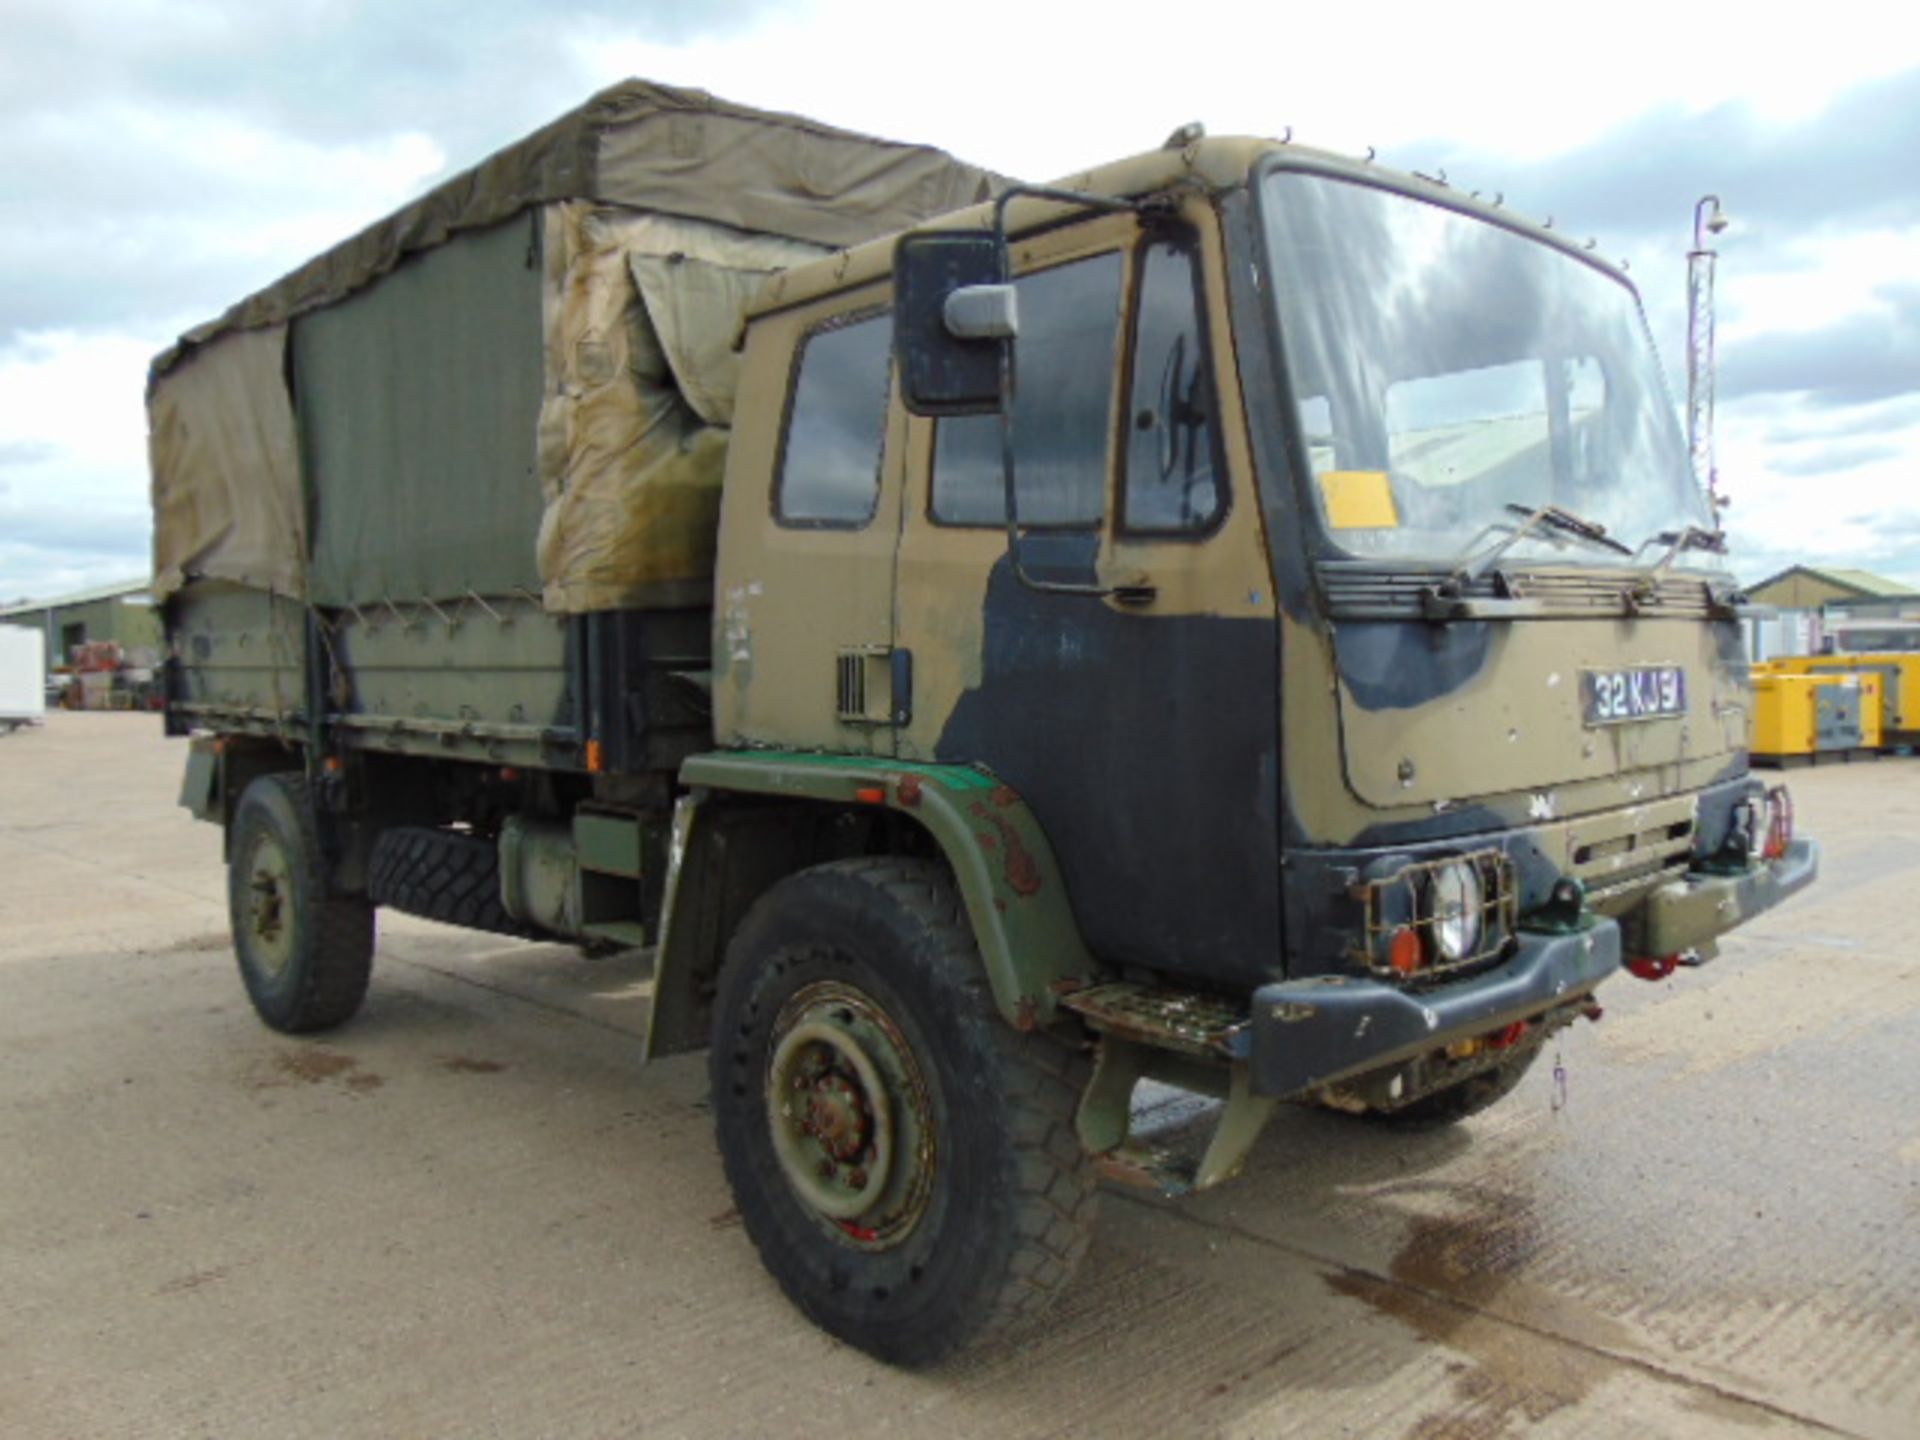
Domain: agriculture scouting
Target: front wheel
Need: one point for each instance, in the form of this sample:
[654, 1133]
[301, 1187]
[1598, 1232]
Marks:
[305, 951]
[904, 1161]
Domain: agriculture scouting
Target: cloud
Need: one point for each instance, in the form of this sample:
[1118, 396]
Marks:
[1856, 360]
[1837, 169]
[1835, 458]
[162, 159]
[24, 452]
[122, 532]
[1795, 424]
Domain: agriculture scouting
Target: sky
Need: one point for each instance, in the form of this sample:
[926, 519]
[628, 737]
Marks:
[161, 158]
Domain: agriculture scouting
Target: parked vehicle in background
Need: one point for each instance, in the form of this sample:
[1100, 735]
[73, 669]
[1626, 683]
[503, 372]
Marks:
[23, 676]
[1243, 620]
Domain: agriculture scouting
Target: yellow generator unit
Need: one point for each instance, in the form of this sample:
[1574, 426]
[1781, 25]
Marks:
[1898, 672]
[1801, 717]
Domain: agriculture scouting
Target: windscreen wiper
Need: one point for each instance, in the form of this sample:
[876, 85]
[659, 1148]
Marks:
[1678, 542]
[1533, 519]
[1646, 588]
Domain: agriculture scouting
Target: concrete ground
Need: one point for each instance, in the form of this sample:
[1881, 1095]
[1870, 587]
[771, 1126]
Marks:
[471, 1212]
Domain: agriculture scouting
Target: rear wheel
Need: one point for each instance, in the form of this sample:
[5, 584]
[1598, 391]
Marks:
[305, 952]
[904, 1160]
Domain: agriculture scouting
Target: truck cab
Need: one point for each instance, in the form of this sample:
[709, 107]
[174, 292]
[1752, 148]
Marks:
[1363, 650]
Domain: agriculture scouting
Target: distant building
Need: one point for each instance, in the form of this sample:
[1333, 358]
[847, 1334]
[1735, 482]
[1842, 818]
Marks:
[122, 612]
[1807, 587]
[1822, 610]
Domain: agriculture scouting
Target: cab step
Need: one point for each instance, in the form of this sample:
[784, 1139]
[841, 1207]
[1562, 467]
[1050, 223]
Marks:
[1186, 1022]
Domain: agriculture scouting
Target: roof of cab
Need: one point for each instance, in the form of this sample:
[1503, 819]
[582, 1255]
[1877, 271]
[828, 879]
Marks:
[1213, 164]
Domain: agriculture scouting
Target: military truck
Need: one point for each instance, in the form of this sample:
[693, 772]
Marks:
[1239, 617]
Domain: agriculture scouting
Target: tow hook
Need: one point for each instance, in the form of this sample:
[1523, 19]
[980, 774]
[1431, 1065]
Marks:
[1659, 967]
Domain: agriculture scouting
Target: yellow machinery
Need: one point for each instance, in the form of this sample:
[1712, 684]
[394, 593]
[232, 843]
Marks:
[1803, 714]
[1899, 675]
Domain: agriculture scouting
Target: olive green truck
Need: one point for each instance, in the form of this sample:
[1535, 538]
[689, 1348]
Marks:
[1240, 618]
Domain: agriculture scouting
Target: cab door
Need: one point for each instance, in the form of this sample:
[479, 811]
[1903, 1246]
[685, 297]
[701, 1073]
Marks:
[803, 620]
[1141, 726]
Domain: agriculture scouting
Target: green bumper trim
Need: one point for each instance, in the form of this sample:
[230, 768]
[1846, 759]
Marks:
[1015, 896]
[1687, 913]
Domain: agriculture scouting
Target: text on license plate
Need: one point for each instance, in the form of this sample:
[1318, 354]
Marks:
[1640, 692]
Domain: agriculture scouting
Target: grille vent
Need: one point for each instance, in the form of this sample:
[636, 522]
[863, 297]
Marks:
[850, 686]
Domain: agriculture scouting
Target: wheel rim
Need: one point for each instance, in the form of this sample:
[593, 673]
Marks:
[850, 1115]
[267, 913]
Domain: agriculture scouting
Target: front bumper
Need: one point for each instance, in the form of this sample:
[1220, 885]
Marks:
[1321, 1030]
[1690, 911]
[1328, 1028]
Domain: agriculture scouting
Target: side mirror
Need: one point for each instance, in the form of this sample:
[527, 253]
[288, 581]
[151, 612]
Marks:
[954, 315]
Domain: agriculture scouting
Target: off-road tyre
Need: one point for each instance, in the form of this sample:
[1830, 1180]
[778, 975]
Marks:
[1469, 1097]
[1006, 1205]
[441, 875]
[305, 951]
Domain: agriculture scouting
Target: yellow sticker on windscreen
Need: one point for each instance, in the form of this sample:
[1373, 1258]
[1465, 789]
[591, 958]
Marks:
[1358, 500]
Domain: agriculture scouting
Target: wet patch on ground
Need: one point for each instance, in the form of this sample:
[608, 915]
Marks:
[1445, 1275]
[462, 1065]
[315, 1066]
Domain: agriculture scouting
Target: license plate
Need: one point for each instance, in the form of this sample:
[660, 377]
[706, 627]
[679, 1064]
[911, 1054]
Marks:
[1639, 692]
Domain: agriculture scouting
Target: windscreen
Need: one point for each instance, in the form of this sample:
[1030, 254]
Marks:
[1448, 370]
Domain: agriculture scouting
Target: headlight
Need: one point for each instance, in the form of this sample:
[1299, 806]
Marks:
[1456, 900]
[1437, 914]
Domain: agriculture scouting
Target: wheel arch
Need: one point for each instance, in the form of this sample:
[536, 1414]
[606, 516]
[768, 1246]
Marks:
[725, 854]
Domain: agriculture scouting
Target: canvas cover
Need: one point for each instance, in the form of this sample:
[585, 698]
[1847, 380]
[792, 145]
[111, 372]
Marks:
[417, 400]
[656, 213]
[225, 464]
[647, 147]
[641, 313]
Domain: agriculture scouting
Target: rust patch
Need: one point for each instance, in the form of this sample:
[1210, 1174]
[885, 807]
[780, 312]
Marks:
[1023, 875]
[908, 790]
[1004, 797]
[461, 1065]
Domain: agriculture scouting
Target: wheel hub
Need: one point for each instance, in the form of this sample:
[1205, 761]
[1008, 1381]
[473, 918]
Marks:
[849, 1114]
[838, 1117]
[268, 930]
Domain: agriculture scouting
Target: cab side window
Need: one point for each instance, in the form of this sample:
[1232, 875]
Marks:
[836, 421]
[1064, 361]
[1174, 469]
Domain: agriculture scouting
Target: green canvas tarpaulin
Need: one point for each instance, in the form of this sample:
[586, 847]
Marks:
[523, 379]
